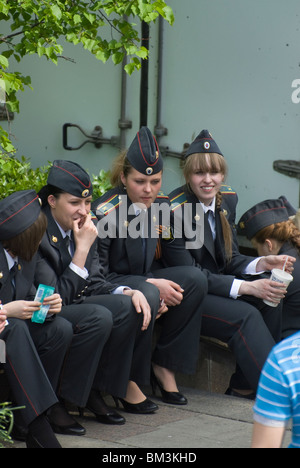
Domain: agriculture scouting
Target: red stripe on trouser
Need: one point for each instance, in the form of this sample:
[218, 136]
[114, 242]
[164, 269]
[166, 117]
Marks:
[241, 335]
[25, 393]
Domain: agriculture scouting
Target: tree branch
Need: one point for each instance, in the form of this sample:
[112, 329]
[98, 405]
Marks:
[18, 33]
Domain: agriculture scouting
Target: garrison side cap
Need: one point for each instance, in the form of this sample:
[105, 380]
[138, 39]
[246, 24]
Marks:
[71, 178]
[18, 212]
[262, 215]
[204, 143]
[144, 154]
[290, 209]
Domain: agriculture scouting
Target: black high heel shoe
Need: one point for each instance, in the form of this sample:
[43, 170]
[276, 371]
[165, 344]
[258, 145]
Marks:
[103, 414]
[173, 398]
[144, 407]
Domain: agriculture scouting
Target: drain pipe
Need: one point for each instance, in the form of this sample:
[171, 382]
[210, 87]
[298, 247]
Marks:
[160, 130]
[124, 124]
[144, 77]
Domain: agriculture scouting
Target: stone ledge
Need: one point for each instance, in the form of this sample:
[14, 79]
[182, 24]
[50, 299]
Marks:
[215, 367]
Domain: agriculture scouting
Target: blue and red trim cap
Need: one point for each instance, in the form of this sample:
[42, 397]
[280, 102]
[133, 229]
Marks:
[18, 212]
[144, 154]
[261, 215]
[71, 178]
[204, 143]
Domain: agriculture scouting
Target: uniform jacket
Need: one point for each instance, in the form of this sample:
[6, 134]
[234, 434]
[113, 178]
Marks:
[291, 302]
[211, 256]
[121, 254]
[54, 261]
[23, 279]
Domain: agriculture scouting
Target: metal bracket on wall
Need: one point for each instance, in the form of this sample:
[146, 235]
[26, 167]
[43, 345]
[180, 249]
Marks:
[289, 168]
[165, 151]
[95, 138]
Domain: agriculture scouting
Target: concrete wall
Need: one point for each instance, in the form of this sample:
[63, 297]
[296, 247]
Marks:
[228, 66]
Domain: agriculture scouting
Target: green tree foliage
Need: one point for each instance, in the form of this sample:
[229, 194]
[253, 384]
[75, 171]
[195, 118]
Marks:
[19, 175]
[104, 28]
[6, 422]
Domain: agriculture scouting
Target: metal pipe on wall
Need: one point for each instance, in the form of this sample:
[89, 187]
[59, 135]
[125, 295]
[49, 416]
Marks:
[124, 124]
[160, 130]
[144, 78]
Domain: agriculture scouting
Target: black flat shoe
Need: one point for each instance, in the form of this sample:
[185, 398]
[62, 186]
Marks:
[62, 423]
[145, 407]
[173, 398]
[74, 429]
[103, 414]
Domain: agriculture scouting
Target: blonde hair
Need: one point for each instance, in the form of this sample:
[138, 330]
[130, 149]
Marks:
[211, 162]
[120, 165]
[204, 162]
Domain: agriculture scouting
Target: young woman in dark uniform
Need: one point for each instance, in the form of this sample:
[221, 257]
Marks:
[270, 225]
[119, 362]
[250, 328]
[130, 254]
[34, 352]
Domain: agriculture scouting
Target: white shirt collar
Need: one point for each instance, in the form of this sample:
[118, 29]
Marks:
[210, 207]
[63, 233]
[10, 260]
[138, 209]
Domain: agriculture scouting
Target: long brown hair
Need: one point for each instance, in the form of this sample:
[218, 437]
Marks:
[211, 162]
[281, 232]
[26, 244]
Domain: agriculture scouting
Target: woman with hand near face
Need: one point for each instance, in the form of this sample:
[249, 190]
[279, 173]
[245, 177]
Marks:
[233, 310]
[112, 321]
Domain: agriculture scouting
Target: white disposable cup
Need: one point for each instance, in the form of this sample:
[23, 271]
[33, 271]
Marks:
[280, 276]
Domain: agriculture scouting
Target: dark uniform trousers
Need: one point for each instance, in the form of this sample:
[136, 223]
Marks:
[127, 353]
[130, 261]
[250, 327]
[108, 344]
[241, 326]
[108, 348]
[92, 325]
[34, 352]
[34, 356]
[177, 347]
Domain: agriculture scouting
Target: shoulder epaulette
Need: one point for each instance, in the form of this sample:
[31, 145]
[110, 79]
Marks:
[162, 195]
[178, 200]
[93, 216]
[226, 189]
[109, 204]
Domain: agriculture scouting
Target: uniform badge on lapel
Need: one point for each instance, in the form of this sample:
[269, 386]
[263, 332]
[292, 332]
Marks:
[164, 231]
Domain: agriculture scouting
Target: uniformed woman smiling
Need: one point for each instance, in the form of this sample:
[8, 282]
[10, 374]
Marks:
[233, 310]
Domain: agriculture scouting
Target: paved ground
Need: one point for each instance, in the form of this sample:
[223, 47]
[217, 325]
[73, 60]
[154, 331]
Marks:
[208, 421]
